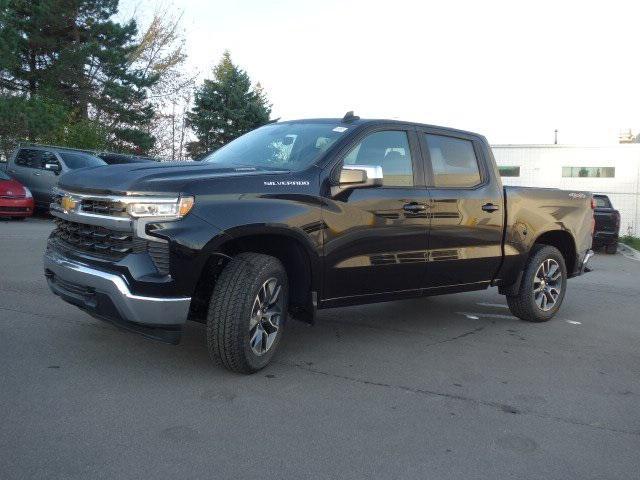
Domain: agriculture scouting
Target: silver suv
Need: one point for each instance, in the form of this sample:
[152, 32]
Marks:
[39, 167]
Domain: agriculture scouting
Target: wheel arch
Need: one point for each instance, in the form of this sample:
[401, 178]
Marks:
[563, 241]
[559, 238]
[295, 252]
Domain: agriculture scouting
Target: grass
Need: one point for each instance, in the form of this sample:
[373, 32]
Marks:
[633, 242]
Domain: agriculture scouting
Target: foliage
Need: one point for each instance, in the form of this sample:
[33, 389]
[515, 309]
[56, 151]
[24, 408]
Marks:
[633, 242]
[226, 107]
[84, 134]
[161, 51]
[73, 54]
[34, 119]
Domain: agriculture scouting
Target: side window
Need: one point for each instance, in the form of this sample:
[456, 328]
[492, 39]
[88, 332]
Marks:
[453, 161]
[29, 158]
[48, 157]
[389, 150]
[35, 158]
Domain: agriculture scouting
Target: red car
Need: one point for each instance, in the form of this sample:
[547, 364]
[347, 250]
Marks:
[16, 200]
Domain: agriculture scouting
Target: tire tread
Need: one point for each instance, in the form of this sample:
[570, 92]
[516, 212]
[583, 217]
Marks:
[228, 303]
[520, 304]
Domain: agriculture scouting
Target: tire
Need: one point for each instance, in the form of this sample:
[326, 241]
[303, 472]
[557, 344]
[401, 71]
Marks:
[611, 248]
[235, 320]
[526, 303]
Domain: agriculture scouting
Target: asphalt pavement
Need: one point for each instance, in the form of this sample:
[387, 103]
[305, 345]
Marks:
[449, 387]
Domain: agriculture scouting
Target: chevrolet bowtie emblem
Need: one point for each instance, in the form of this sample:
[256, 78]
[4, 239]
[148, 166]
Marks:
[67, 203]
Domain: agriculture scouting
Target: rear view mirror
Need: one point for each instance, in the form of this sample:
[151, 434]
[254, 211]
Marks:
[350, 176]
[358, 176]
[53, 167]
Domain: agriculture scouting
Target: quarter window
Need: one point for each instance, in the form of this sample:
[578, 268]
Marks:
[509, 171]
[453, 161]
[596, 172]
[389, 150]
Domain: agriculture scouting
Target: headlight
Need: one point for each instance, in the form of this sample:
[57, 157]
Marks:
[27, 193]
[161, 208]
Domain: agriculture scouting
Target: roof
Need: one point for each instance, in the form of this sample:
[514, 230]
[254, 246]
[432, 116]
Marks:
[375, 121]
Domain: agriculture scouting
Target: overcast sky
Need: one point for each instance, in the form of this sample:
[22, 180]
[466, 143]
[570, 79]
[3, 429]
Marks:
[511, 70]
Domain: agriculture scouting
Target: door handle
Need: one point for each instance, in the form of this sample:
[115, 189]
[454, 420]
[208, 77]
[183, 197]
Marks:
[11, 170]
[414, 207]
[490, 207]
[37, 174]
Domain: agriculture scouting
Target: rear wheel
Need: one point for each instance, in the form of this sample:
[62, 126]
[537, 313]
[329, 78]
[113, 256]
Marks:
[542, 287]
[247, 312]
[611, 248]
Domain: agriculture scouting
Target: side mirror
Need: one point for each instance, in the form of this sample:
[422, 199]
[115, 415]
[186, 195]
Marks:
[358, 176]
[53, 167]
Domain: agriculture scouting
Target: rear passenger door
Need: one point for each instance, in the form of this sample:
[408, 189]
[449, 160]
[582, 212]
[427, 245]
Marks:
[466, 210]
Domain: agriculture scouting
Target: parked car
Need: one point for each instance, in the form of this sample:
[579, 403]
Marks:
[39, 168]
[607, 229]
[308, 214]
[16, 200]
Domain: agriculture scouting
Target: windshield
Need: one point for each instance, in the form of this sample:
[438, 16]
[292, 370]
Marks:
[75, 160]
[602, 202]
[284, 146]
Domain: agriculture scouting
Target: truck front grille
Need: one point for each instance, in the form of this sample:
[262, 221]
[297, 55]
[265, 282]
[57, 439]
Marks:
[159, 252]
[97, 240]
[108, 244]
[104, 207]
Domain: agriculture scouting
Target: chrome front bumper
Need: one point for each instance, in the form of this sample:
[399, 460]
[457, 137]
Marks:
[84, 286]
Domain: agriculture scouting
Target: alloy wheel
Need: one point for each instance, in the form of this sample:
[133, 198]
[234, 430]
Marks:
[547, 284]
[265, 316]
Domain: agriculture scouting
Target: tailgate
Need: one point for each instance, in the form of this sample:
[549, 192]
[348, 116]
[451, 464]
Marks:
[605, 220]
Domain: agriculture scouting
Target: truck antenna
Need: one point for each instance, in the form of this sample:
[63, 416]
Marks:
[350, 117]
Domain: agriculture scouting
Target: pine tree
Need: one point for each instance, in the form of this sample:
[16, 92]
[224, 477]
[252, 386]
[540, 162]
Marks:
[226, 107]
[73, 54]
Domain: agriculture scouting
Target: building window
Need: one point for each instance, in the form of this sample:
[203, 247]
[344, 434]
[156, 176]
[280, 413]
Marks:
[595, 172]
[509, 171]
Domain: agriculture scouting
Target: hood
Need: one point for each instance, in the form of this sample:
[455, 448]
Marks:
[11, 188]
[166, 177]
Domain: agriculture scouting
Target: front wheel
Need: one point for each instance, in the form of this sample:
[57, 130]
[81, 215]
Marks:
[247, 312]
[542, 287]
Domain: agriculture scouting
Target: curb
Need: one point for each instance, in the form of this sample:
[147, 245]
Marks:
[629, 252]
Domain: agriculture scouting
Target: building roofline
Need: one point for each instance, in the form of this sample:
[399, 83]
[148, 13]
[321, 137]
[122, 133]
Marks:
[543, 145]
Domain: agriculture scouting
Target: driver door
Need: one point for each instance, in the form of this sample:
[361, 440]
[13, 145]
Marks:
[376, 238]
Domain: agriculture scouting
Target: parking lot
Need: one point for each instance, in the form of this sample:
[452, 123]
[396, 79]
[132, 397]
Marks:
[440, 387]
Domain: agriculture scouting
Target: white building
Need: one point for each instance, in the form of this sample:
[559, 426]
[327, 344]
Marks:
[613, 170]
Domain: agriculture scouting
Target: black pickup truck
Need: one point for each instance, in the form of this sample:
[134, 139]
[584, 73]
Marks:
[607, 224]
[301, 215]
